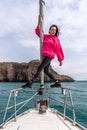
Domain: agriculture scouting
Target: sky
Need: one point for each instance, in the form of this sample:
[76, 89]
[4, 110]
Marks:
[19, 43]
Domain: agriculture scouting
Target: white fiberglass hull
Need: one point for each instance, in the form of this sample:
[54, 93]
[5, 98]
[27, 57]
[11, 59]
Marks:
[33, 120]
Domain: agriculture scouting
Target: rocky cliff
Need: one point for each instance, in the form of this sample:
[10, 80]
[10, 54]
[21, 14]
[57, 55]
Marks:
[22, 72]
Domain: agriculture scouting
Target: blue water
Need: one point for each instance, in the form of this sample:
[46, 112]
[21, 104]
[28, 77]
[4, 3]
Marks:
[79, 96]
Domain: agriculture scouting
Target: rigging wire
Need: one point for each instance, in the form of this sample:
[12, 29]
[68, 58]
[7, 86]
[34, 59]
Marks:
[76, 90]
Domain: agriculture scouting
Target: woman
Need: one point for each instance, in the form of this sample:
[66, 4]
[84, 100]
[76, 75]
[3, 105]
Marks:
[51, 47]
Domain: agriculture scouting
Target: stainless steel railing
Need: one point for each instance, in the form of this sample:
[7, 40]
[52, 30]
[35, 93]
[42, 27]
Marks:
[15, 93]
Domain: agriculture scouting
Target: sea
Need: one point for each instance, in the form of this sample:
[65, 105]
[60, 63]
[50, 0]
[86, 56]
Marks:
[77, 90]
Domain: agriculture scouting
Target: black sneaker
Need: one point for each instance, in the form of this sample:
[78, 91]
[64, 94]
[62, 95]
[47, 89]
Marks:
[56, 85]
[27, 85]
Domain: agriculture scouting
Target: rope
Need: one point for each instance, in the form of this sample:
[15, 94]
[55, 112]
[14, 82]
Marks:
[22, 105]
[78, 90]
[25, 102]
[8, 91]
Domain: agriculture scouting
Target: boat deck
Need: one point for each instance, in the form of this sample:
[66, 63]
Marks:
[33, 120]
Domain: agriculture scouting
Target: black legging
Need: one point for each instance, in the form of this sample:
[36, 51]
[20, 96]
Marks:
[45, 64]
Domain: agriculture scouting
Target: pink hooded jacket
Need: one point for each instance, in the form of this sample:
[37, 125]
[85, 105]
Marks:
[51, 46]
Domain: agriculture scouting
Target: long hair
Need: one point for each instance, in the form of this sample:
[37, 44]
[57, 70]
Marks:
[57, 30]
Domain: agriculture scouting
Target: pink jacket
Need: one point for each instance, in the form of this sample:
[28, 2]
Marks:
[51, 46]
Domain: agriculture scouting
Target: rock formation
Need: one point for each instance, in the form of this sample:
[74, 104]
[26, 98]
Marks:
[22, 72]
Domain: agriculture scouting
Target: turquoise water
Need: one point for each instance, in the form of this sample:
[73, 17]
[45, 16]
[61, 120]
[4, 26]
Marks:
[79, 96]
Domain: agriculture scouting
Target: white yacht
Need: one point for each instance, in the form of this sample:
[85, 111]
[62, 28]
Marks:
[41, 116]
